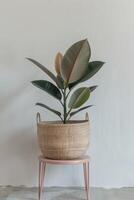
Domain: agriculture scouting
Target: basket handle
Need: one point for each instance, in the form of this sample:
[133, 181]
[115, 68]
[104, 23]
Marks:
[86, 116]
[38, 117]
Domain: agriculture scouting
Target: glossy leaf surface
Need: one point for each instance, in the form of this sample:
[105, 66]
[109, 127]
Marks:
[75, 61]
[58, 60]
[93, 68]
[79, 97]
[44, 69]
[48, 108]
[48, 87]
[83, 108]
[61, 82]
[92, 88]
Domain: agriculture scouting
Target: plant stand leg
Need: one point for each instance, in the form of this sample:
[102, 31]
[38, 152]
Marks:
[42, 167]
[86, 177]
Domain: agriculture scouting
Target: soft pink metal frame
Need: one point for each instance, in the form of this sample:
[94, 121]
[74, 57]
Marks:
[44, 161]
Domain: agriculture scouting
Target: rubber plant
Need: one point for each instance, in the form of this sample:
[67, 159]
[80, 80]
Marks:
[72, 68]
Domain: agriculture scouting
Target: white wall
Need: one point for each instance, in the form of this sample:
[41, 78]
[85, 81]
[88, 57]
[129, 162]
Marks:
[38, 29]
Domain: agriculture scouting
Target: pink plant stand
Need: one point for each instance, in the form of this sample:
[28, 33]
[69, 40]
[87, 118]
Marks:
[42, 166]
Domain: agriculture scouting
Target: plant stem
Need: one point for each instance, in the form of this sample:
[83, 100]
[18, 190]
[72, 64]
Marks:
[61, 103]
[61, 118]
[65, 108]
[68, 113]
[68, 94]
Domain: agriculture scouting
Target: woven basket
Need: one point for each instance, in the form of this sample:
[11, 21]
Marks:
[63, 141]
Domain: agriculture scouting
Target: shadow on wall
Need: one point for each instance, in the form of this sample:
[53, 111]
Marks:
[8, 99]
[19, 157]
[23, 142]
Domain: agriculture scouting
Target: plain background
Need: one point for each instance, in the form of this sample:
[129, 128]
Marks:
[39, 29]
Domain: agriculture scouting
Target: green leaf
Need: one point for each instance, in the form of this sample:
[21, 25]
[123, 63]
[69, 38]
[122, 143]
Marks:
[92, 88]
[83, 108]
[50, 109]
[93, 68]
[44, 69]
[61, 82]
[79, 97]
[48, 87]
[75, 61]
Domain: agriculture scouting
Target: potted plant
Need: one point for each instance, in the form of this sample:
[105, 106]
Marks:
[67, 139]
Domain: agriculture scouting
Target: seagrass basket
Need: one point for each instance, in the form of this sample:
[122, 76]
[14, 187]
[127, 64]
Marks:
[63, 141]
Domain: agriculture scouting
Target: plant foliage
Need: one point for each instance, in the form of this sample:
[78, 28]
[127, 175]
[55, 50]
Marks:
[72, 68]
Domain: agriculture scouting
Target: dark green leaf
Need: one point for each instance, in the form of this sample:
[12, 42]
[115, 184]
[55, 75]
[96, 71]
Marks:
[92, 88]
[93, 68]
[48, 87]
[61, 82]
[79, 97]
[44, 69]
[83, 108]
[50, 109]
[75, 61]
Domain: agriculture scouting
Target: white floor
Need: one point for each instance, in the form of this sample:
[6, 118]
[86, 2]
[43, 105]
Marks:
[22, 193]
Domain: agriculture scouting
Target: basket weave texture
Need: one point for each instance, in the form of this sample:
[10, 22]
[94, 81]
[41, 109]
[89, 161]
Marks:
[63, 141]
